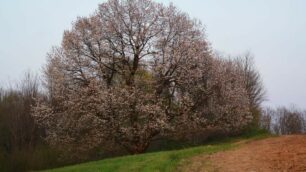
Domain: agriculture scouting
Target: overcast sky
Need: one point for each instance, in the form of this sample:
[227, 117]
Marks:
[274, 31]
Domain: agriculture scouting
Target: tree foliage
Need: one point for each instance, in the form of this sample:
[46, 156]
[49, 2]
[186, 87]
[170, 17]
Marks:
[133, 70]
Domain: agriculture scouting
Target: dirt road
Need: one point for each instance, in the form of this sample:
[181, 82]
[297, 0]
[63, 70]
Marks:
[278, 154]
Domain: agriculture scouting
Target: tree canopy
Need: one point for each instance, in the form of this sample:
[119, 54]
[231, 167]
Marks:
[134, 70]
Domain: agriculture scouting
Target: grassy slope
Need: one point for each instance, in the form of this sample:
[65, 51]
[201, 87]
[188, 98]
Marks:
[153, 162]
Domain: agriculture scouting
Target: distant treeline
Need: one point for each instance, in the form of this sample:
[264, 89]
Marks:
[284, 120]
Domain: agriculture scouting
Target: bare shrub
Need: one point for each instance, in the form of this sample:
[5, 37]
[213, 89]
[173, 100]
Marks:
[21, 145]
[15, 112]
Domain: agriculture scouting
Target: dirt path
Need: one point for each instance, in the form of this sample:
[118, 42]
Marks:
[279, 154]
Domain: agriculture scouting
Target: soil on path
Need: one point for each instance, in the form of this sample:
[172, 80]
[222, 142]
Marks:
[278, 154]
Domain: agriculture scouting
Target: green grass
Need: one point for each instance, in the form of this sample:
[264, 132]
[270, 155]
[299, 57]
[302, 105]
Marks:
[155, 162]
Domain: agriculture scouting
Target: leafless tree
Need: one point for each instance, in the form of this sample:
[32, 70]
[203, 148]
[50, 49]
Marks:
[253, 84]
[15, 114]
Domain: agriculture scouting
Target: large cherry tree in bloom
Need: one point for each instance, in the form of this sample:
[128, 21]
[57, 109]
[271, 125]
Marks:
[133, 70]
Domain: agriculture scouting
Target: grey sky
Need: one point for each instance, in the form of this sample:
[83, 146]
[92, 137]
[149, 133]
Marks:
[274, 31]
